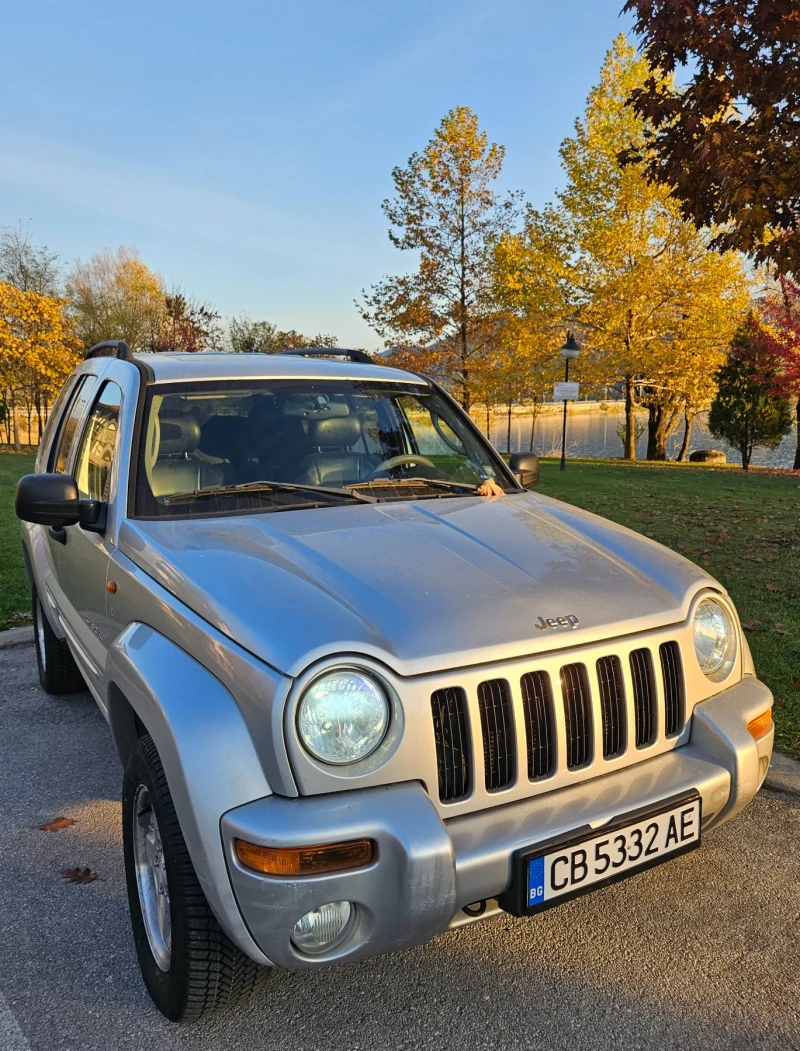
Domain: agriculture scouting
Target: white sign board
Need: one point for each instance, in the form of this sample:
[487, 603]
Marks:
[566, 391]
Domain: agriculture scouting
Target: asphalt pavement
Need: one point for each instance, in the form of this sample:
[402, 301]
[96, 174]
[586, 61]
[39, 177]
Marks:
[703, 952]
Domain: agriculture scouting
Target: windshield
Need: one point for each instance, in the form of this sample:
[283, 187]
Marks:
[207, 446]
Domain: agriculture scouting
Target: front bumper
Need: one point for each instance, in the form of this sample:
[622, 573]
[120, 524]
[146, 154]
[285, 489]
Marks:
[427, 870]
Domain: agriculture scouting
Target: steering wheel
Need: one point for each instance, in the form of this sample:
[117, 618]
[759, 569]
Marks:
[399, 461]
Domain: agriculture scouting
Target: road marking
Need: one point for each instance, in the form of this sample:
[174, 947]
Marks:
[11, 1036]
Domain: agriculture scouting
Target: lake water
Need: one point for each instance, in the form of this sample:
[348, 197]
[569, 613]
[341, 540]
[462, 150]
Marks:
[594, 433]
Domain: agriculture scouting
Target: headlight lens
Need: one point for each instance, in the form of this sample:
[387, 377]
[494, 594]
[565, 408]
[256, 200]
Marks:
[343, 717]
[714, 639]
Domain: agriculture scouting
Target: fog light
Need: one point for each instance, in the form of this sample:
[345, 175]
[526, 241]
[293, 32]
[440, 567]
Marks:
[322, 928]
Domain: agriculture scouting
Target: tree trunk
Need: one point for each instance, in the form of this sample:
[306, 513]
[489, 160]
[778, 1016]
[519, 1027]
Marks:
[533, 427]
[653, 421]
[797, 450]
[687, 437]
[630, 421]
[488, 422]
[15, 423]
[508, 431]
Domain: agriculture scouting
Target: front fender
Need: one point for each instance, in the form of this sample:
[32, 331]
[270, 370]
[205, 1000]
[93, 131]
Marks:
[209, 759]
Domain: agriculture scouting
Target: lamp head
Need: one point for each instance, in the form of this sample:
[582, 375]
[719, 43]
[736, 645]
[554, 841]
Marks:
[571, 348]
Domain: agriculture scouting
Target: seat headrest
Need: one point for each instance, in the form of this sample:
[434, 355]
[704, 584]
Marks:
[337, 432]
[179, 434]
[223, 436]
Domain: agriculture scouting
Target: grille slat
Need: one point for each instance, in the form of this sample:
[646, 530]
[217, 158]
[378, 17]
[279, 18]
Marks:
[644, 696]
[612, 705]
[499, 747]
[449, 710]
[537, 704]
[578, 712]
[674, 697]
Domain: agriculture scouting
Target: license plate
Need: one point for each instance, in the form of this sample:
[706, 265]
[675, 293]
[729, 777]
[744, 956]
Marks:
[571, 865]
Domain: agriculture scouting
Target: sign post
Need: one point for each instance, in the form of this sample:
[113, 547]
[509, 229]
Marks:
[566, 391]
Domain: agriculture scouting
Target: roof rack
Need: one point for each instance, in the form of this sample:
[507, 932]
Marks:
[110, 348]
[329, 352]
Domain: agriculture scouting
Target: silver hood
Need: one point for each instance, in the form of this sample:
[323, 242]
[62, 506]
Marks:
[421, 586]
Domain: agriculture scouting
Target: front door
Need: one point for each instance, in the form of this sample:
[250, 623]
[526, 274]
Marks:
[81, 558]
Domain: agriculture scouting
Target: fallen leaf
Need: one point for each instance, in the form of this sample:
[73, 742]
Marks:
[771, 587]
[751, 625]
[79, 875]
[780, 630]
[777, 702]
[57, 824]
[489, 488]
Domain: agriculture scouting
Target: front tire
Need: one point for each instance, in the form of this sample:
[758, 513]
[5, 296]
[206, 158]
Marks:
[58, 672]
[189, 965]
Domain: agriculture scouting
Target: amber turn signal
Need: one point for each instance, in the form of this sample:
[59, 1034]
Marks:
[761, 725]
[305, 861]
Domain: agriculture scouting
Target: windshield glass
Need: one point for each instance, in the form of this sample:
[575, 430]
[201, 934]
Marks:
[335, 440]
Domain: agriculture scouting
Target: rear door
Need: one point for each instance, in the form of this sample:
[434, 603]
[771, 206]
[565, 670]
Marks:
[80, 557]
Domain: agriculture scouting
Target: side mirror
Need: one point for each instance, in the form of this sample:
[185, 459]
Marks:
[525, 467]
[48, 499]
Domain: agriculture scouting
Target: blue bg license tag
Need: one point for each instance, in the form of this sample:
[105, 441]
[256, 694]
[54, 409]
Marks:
[536, 881]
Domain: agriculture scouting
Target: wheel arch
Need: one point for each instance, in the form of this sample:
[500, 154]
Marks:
[209, 759]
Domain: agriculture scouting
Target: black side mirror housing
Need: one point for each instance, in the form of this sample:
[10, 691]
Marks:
[525, 467]
[53, 500]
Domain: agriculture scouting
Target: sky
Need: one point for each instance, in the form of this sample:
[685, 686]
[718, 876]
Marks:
[245, 147]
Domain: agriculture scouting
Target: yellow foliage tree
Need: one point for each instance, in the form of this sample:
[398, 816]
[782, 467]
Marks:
[441, 318]
[38, 350]
[657, 307]
[116, 296]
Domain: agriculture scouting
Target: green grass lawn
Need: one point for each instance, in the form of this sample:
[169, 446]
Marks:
[15, 598]
[743, 528]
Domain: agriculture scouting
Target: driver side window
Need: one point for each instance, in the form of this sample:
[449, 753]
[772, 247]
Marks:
[96, 454]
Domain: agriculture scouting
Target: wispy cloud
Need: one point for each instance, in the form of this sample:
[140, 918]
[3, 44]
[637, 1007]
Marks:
[92, 182]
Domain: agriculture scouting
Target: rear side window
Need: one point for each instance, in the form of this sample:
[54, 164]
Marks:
[52, 425]
[96, 455]
[71, 425]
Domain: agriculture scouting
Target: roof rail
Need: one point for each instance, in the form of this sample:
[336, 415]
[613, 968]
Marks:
[329, 352]
[110, 348]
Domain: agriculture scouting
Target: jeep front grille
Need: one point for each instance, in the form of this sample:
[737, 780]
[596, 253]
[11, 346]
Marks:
[497, 727]
[450, 733]
[598, 703]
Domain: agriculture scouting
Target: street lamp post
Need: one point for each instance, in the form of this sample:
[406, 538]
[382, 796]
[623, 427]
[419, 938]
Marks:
[569, 352]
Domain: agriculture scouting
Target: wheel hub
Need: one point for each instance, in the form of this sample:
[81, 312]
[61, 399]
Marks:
[151, 878]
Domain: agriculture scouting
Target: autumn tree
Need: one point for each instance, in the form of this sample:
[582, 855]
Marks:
[446, 211]
[246, 336]
[727, 143]
[780, 335]
[115, 296]
[32, 268]
[38, 350]
[658, 309]
[186, 324]
[745, 412]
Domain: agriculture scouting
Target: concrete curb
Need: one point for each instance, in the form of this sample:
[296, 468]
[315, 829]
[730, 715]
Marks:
[15, 637]
[783, 775]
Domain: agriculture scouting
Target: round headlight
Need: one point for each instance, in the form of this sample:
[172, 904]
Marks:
[343, 717]
[714, 639]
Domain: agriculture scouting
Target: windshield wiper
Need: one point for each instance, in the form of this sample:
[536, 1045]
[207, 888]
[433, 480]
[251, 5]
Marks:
[257, 488]
[435, 483]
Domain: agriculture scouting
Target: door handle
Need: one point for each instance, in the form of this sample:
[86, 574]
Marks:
[58, 533]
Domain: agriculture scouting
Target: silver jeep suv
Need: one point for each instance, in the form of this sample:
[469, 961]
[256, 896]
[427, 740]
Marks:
[365, 686]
